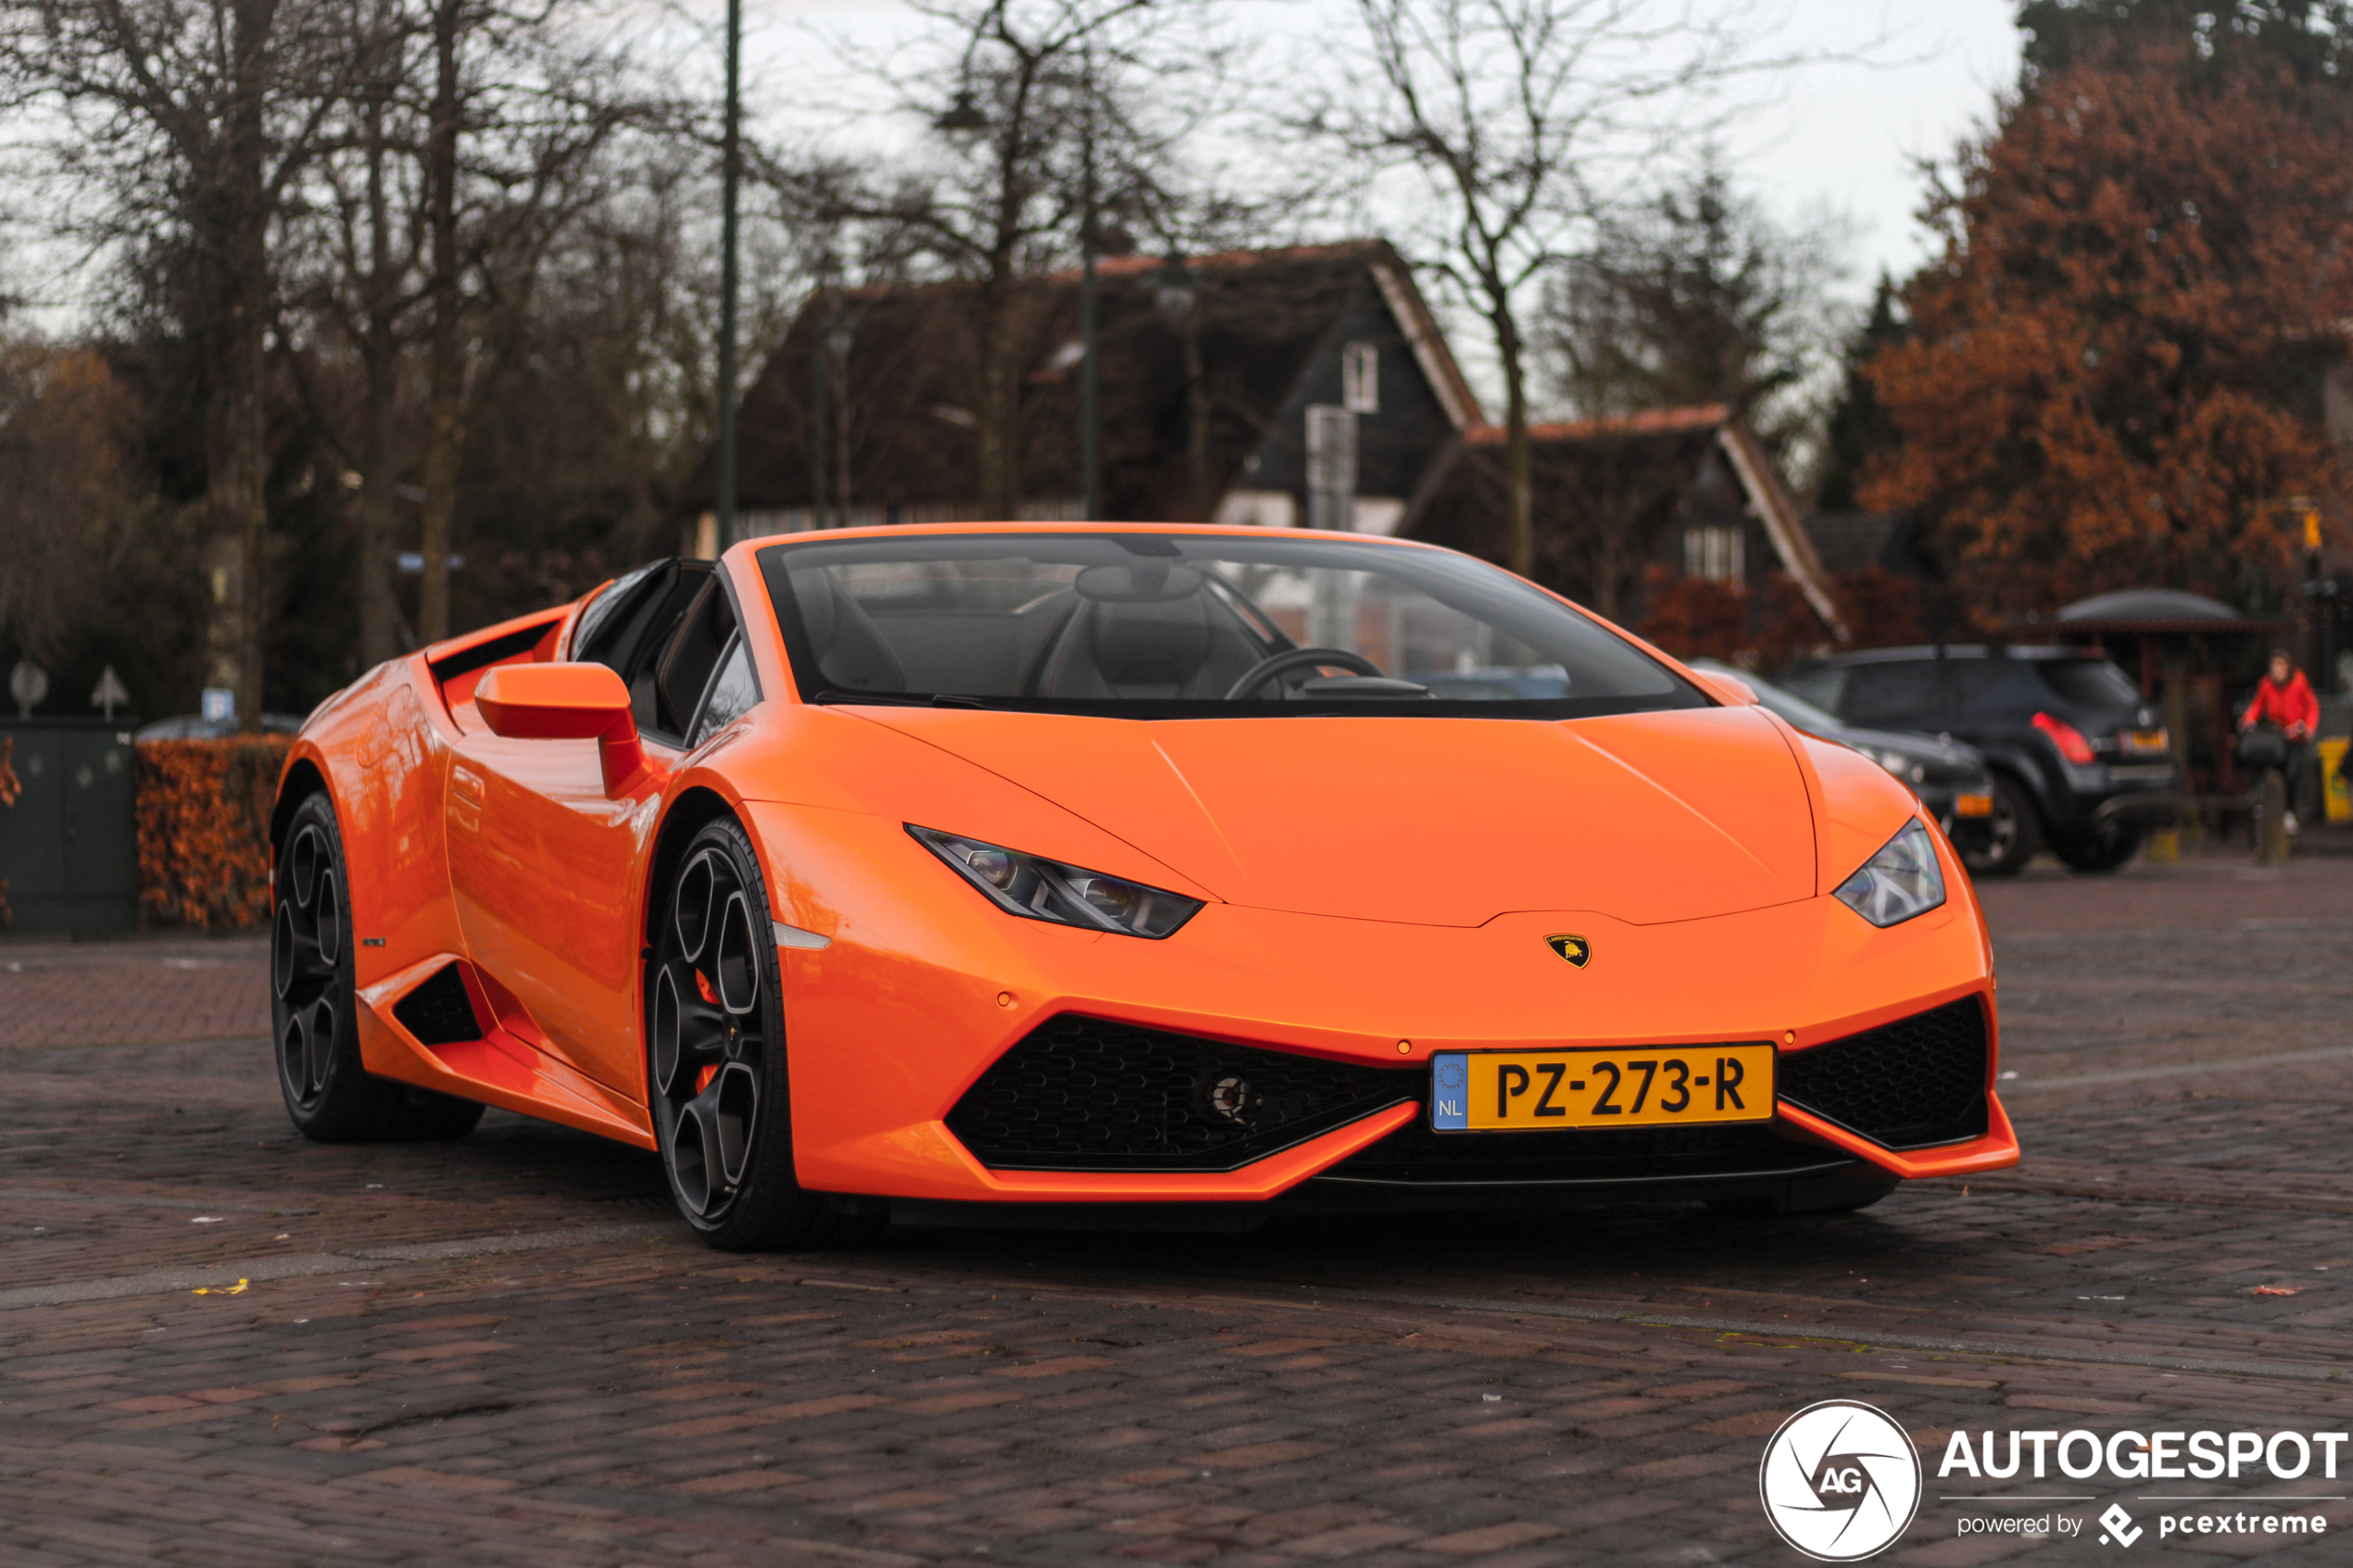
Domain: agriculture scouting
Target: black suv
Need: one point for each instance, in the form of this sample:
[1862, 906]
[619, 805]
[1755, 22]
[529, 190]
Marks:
[2078, 761]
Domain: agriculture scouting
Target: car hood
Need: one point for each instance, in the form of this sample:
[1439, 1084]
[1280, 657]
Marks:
[1649, 817]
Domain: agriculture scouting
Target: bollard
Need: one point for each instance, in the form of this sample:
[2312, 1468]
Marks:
[2272, 850]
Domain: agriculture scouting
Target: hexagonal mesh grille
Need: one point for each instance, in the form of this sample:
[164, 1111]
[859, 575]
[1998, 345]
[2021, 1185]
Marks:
[1918, 1081]
[439, 1012]
[1085, 1094]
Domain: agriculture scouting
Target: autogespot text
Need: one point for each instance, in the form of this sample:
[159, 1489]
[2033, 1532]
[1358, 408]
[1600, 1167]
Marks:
[2146, 1458]
[2136, 1456]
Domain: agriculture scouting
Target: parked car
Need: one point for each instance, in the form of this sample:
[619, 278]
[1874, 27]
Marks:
[1951, 778]
[195, 726]
[2080, 761]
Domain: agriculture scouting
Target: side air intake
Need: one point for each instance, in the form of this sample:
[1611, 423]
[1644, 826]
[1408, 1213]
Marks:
[439, 1012]
[1907, 1084]
[1084, 1094]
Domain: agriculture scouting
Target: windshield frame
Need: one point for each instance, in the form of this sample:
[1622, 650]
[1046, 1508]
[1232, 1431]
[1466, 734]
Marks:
[1779, 701]
[772, 558]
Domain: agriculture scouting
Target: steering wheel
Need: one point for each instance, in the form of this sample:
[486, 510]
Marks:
[1268, 668]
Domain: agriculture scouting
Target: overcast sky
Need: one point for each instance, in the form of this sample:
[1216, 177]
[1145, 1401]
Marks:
[1835, 138]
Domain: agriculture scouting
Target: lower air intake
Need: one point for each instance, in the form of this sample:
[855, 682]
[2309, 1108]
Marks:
[1084, 1094]
[1907, 1084]
[439, 1012]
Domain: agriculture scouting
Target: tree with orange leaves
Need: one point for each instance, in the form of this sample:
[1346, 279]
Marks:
[2113, 373]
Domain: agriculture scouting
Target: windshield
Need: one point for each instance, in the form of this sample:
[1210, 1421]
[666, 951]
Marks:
[1142, 625]
[2090, 683]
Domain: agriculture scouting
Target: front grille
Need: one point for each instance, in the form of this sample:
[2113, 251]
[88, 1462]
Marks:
[1416, 1156]
[1918, 1081]
[1085, 1094]
[439, 1012]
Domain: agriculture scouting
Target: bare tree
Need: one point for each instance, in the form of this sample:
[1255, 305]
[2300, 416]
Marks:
[1047, 90]
[198, 116]
[1699, 296]
[477, 135]
[358, 260]
[1521, 121]
[519, 114]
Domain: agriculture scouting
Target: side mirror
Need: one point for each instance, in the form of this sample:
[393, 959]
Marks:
[566, 702]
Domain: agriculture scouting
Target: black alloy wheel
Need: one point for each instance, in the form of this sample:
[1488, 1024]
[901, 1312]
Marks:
[716, 1065]
[314, 1006]
[2105, 849]
[2015, 832]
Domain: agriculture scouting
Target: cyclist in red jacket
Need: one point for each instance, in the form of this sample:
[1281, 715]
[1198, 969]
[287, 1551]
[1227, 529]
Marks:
[2284, 697]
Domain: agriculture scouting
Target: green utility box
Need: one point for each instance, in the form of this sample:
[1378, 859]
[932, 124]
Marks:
[69, 845]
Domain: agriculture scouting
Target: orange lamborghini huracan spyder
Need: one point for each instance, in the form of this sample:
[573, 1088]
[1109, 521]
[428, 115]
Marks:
[996, 870]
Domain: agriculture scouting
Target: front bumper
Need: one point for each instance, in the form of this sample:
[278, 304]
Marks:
[925, 988]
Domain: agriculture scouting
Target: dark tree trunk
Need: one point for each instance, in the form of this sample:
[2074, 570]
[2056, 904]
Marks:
[445, 374]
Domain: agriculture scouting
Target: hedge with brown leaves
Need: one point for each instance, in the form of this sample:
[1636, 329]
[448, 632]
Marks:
[204, 829]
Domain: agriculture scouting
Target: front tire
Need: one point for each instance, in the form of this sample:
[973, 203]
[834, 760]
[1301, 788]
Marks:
[2102, 851]
[2017, 832]
[314, 1017]
[716, 1073]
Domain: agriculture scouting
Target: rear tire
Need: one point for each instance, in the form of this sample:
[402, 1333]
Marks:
[2017, 832]
[2100, 852]
[331, 1097]
[717, 1077]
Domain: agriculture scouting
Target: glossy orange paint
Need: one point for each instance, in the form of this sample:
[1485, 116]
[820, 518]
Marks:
[1365, 881]
[565, 702]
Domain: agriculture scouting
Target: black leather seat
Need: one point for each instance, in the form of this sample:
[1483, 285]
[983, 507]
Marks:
[1167, 649]
[851, 651]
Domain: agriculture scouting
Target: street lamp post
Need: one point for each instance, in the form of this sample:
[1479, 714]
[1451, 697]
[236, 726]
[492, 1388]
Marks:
[730, 174]
[1176, 292]
[840, 333]
[1090, 452]
[820, 449]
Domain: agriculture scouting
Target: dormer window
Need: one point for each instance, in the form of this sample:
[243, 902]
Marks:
[1715, 554]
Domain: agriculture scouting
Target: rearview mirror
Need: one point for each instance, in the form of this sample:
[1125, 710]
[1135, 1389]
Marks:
[1143, 582]
[566, 702]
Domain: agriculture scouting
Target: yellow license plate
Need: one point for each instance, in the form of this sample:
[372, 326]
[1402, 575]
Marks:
[1640, 1086]
[2143, 742]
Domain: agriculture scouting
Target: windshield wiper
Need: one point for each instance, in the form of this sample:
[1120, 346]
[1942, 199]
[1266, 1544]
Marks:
[900, 699]
[895, 699]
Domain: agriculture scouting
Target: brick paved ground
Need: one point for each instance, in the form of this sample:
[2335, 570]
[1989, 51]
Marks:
[503, 1352]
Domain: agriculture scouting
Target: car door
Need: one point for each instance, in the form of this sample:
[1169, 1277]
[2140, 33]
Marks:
[544, 864]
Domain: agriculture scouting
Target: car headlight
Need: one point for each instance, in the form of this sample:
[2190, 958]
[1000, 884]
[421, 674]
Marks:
[1901, 881]
[1037, 888]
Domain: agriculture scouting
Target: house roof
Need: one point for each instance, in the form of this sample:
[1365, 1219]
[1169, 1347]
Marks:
[1640, 466]
[914, 380]
[1648, 421]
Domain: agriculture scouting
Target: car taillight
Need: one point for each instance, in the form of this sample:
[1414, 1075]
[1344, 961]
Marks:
[2066, 736]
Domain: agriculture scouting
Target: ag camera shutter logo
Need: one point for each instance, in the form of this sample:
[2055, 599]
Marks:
[1840, 1481]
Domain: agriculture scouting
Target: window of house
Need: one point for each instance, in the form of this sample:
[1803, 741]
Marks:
[1360, 378]
[1716, 553]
